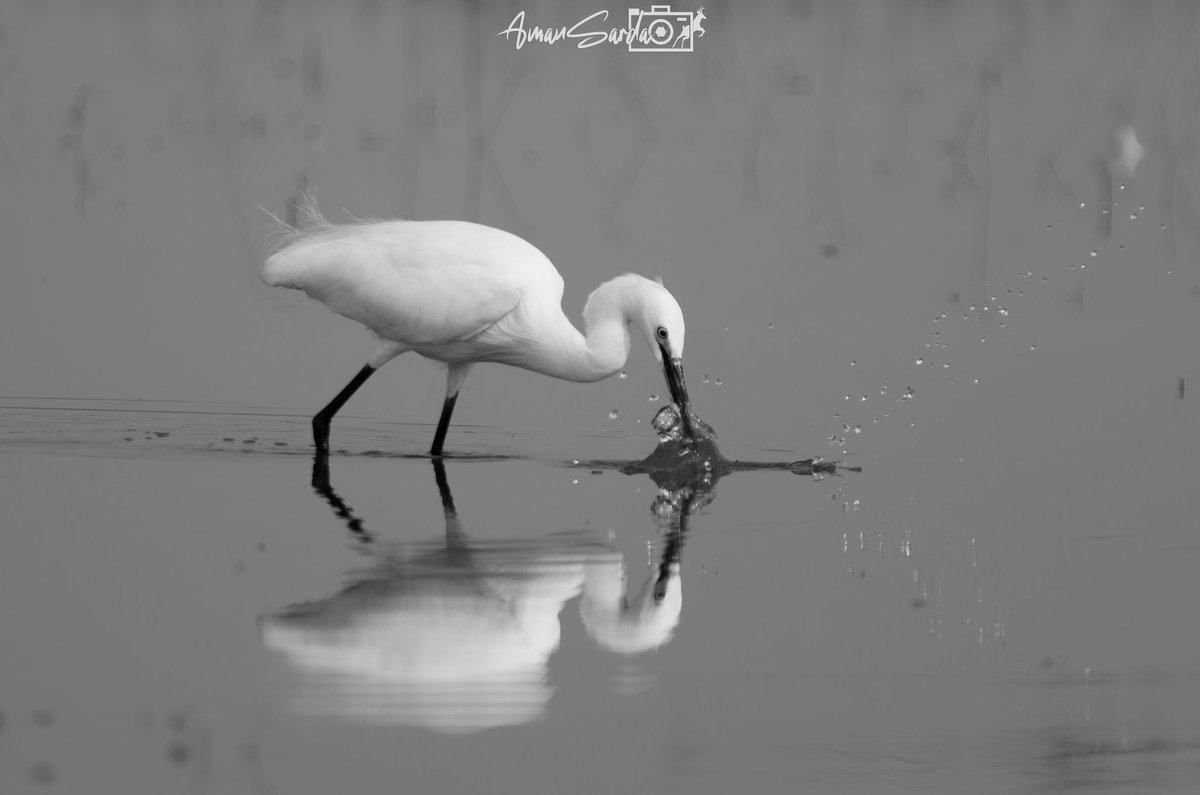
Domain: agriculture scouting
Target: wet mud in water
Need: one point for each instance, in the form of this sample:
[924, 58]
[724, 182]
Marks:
[680, 460]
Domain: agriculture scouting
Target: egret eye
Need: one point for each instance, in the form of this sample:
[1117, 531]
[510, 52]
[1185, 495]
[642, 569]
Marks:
[662, 333]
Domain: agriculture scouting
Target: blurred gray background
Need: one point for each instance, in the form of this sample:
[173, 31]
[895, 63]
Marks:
[816, 183]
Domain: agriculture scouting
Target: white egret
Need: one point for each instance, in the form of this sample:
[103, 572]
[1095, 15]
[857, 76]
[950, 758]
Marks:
[461, 293]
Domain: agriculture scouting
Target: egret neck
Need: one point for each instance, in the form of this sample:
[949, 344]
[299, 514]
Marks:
[604, 348]
[560, 351]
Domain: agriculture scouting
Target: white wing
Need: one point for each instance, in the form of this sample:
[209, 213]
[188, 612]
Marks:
[416, 282]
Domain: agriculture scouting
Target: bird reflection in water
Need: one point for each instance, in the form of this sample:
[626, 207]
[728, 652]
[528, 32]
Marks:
[455, 635]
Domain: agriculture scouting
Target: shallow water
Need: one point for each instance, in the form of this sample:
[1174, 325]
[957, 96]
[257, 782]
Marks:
[910, 238]
[184, 609]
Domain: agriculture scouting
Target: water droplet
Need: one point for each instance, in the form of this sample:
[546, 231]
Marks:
[858, 429]
[612, 415]
[726, 328]
[845, 428]
[718, 381]
[864, 398]
[705, 378]
[1002, 312]
[907, 395]
[853, 362]
[1095, 253]
[1049, 226]
[1033, 347]
[946, 365]
[1082, 205]
[654, 397]
[574, 481]
[920, 361]
[1133, 216]
[622, 375]
[770, 325]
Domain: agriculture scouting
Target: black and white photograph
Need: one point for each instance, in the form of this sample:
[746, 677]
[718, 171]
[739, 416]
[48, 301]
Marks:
[556, 396]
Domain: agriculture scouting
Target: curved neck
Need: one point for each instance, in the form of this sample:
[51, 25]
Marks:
[597, 354]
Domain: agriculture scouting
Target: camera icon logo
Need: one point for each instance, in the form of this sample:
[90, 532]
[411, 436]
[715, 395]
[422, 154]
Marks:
[663, 30]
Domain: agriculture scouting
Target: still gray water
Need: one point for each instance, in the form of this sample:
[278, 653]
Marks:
[948, 251]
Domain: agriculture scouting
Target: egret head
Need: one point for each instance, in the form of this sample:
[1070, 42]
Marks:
[661, 321]
[637, 301]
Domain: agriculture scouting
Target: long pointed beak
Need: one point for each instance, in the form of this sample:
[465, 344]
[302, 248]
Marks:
[673, 370]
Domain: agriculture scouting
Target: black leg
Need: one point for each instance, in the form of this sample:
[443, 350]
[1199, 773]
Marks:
[439, 438]
[320, 423]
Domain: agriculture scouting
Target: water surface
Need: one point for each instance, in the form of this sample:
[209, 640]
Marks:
[160, 555]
